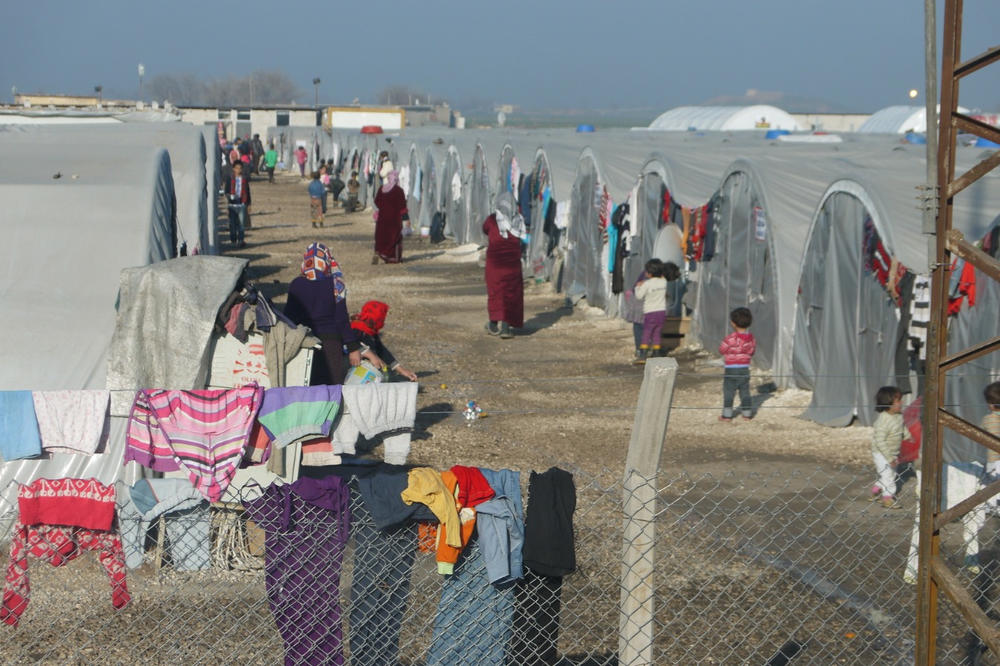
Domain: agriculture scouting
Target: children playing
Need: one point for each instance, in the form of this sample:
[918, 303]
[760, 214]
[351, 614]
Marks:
[737, 349]
[316, 194]
[652, 291]
[367, 325]
[886, 437]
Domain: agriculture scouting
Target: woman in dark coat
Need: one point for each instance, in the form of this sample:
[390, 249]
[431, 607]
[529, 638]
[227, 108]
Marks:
[391, 203]
[318, 299]
[504, 282]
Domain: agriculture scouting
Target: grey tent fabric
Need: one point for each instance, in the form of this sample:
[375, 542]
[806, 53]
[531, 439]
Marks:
[109, 208]
[183, 142]
[846, 338]
[166, 313]
[213, 182]
[452, 192]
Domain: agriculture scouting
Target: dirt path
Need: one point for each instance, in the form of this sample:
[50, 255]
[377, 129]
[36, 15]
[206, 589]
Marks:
[560, 390]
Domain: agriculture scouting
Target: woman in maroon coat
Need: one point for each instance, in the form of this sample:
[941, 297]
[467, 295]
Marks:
[504, 282]
[391, 203]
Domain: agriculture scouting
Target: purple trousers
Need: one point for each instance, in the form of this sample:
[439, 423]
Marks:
[652, 327]
[306, 527]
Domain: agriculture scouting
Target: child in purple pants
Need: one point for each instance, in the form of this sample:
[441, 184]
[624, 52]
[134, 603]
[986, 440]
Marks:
[652, 291]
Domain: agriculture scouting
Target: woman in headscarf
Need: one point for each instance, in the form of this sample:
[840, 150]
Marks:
[504, 282]
[318, 299]
[391, 203]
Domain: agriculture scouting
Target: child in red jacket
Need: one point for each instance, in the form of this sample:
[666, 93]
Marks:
[737, 349]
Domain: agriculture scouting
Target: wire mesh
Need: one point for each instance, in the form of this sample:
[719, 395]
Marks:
[746, 565]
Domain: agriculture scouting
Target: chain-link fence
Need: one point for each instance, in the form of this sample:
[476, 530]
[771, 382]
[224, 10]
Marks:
[748, 565]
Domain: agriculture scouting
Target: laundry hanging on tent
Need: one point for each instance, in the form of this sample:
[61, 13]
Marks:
[711, 231]
[698, 218]
[962, 286]
[562, 214]
[514, 177]
[920, 315]
[665, 209]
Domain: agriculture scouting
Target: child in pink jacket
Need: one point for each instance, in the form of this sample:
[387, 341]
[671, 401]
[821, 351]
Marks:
[737, 349]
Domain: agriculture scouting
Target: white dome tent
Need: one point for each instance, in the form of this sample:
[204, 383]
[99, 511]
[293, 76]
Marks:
[725, 119]
[898, 120]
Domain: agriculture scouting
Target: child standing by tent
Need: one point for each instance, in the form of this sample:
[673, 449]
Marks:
[887, 435]
[652, 291]
[316, 194]
[737, 349]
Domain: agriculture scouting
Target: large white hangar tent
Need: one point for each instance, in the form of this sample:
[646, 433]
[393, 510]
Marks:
[188, 160]
[898, 120]
[725, 119]
[74, 217]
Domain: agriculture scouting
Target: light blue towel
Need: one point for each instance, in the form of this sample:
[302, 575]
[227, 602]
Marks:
[19, 437]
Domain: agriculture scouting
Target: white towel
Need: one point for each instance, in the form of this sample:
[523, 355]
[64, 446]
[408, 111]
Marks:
[72, 421]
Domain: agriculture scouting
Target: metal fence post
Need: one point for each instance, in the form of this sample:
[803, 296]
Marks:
[635, 623]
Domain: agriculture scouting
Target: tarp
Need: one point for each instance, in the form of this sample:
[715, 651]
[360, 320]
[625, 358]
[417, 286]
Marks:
[166, 313]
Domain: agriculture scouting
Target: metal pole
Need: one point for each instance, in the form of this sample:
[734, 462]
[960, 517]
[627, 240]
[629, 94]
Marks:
[931, 114]
[937, 346]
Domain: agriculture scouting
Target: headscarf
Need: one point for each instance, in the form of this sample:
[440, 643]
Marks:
[391, 179]
[509, 220]
[371, 319]
[317, 262]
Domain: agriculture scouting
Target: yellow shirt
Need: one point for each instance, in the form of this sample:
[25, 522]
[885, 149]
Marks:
[425, 486]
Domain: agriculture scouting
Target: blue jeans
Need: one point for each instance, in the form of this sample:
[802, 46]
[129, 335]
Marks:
[237, 220]
[733, 380]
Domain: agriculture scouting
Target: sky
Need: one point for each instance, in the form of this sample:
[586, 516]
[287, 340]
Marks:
[859, 55]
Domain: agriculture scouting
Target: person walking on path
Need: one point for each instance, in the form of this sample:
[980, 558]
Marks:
[237, 190]
[300, 156]
[391, 204]
[504, 282]
[270, 162]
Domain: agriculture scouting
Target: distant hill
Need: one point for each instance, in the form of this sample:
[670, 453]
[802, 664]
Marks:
[786, 101]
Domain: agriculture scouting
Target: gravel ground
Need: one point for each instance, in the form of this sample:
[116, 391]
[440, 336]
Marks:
[763, 534]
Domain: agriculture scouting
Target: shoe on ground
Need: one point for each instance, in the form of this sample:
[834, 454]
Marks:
[725, 419]
[747, 418]
[505, 331]
[890, 503]
[876, 492]
[971, 564]
[242, 244]
[910, 577]
[492, 328]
